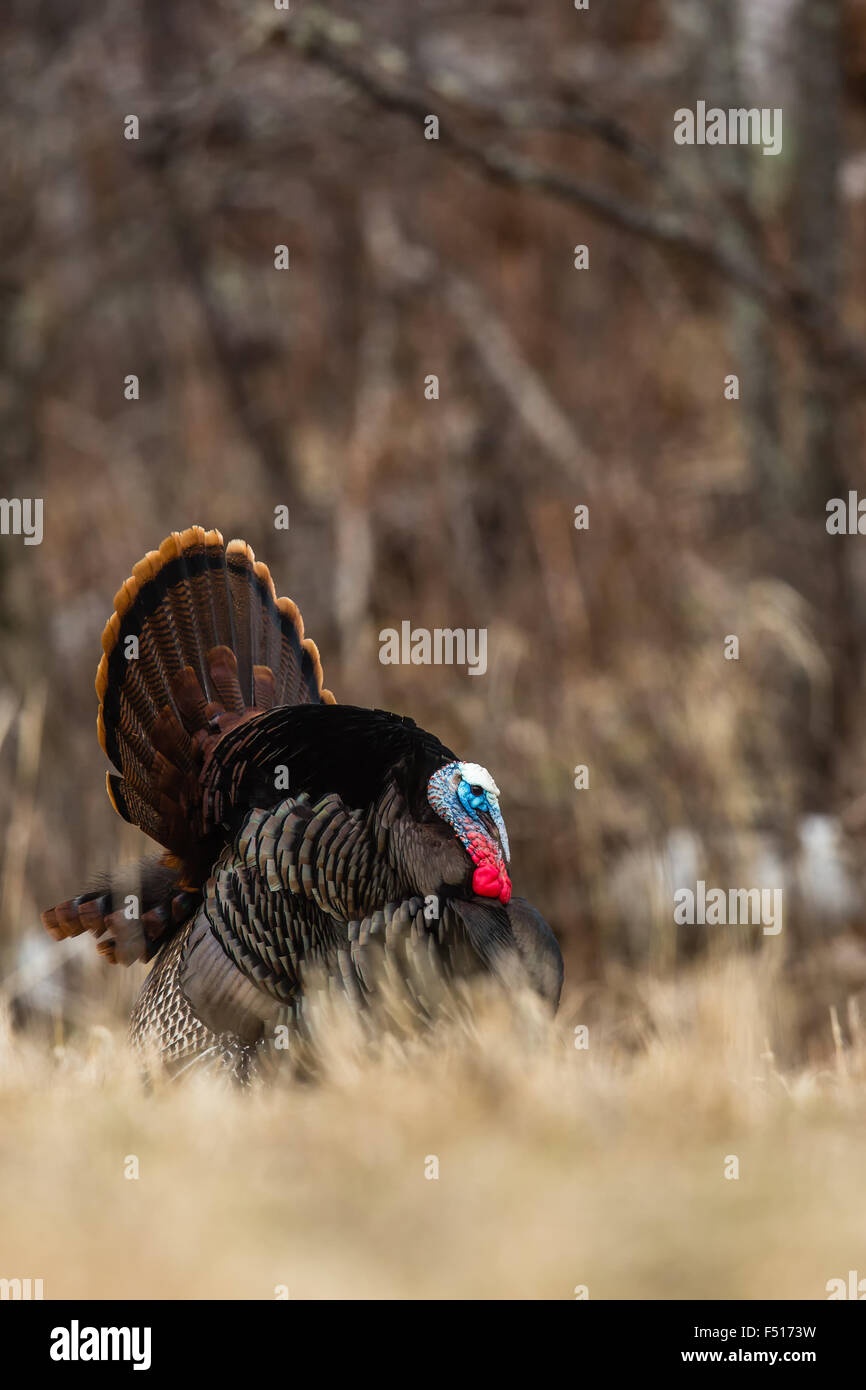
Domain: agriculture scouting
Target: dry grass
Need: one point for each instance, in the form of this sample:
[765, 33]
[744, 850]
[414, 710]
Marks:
[557, 1166]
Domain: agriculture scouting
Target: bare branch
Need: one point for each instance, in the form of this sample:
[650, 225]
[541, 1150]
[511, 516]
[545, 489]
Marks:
[339, 46]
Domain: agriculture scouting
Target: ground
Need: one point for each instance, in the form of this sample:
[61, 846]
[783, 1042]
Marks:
[599, 1169]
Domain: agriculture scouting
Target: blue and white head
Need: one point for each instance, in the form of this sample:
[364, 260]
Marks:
[467, 798]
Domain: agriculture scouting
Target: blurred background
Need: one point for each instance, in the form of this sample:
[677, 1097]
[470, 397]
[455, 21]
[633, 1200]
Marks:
[558, 387]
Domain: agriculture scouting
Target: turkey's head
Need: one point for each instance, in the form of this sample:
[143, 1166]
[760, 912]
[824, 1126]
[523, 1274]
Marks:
[467, 798]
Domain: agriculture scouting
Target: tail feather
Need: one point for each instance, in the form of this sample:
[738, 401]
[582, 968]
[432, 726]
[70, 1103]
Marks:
[125, 934]
[213, 646]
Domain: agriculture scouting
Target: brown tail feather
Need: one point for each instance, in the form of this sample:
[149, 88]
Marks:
[131, 914]
[215, 646]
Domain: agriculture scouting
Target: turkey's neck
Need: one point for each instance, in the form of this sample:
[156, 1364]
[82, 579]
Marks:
[425, 856]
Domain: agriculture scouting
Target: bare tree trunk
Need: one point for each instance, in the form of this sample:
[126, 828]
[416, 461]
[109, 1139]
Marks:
[817, 223]
[729, 82]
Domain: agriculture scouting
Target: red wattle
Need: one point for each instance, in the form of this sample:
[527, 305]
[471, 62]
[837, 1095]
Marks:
[489, 881]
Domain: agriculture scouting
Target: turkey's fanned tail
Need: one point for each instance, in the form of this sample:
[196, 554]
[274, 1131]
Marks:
[198, 643]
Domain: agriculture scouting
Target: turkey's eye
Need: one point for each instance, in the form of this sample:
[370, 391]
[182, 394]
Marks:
[477, 791]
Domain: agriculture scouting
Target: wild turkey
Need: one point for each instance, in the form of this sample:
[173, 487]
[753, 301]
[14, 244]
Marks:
[297, 832]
